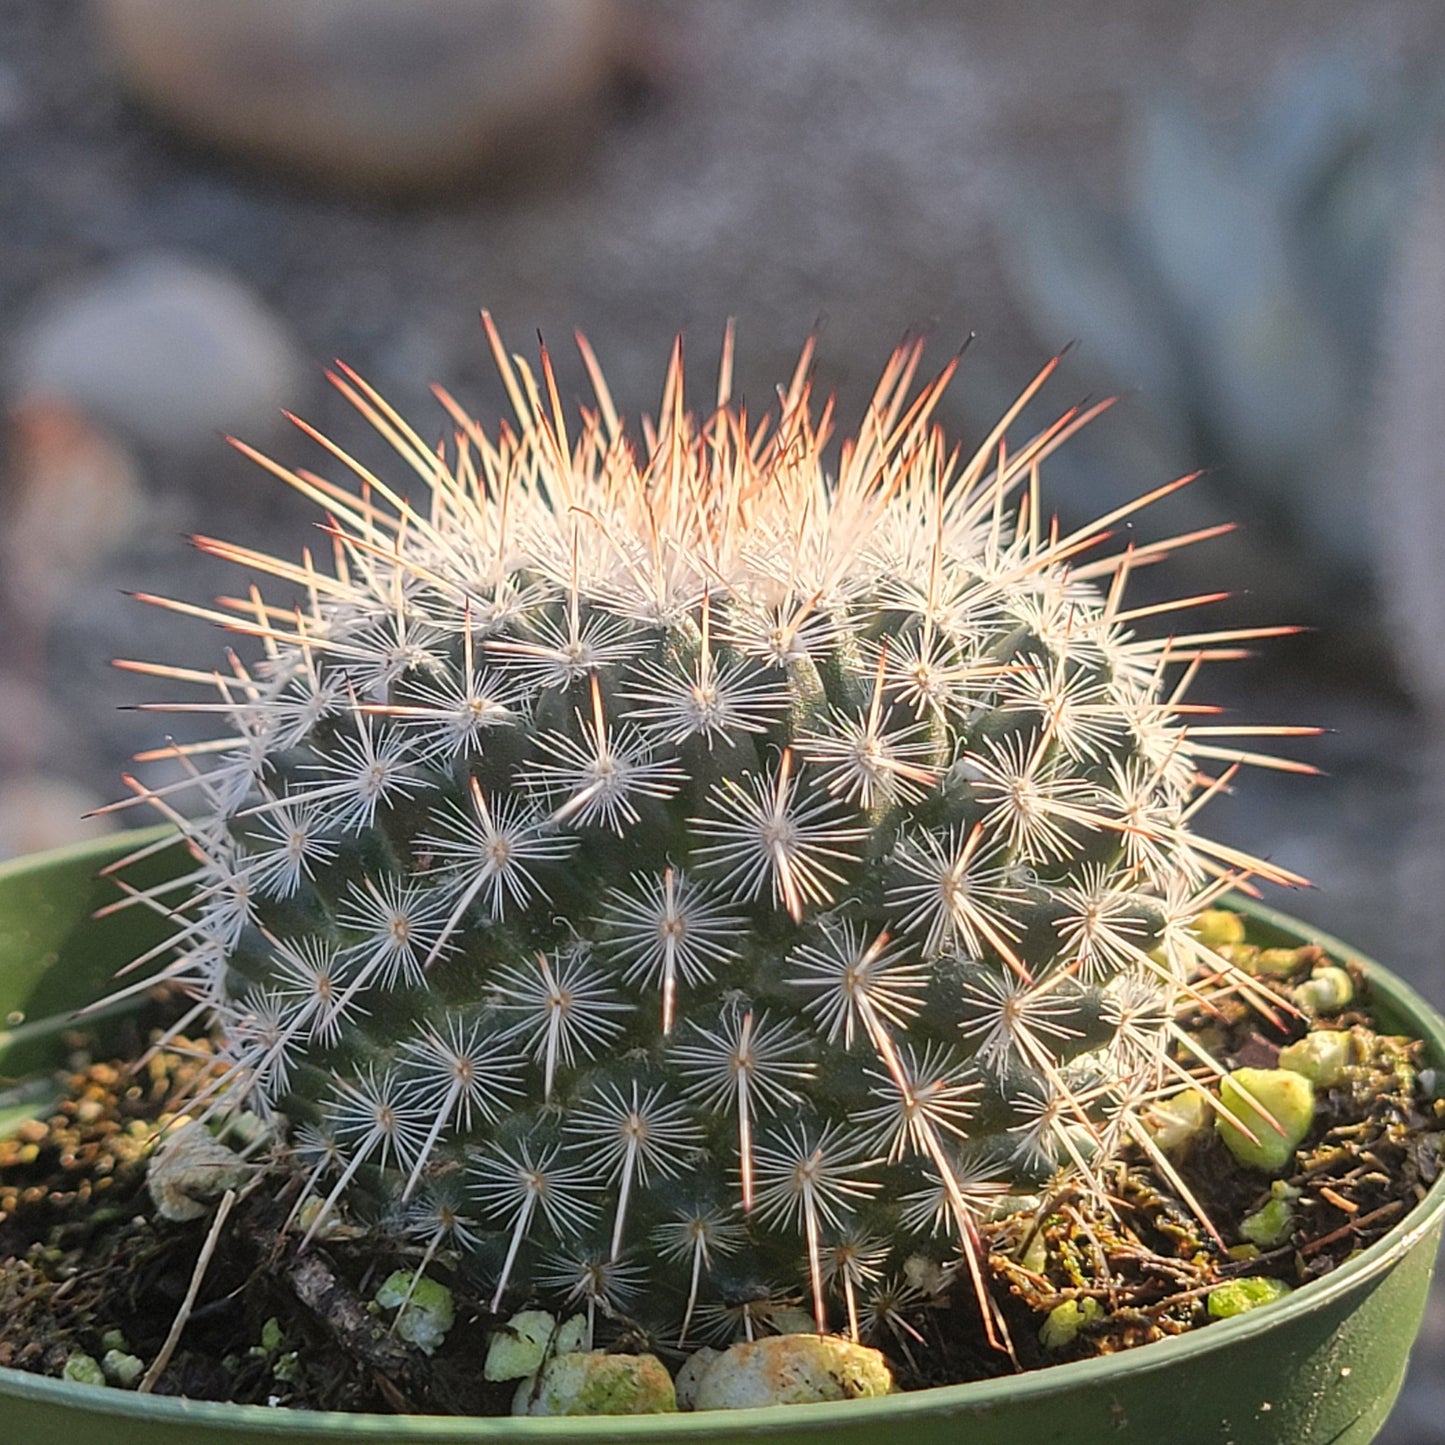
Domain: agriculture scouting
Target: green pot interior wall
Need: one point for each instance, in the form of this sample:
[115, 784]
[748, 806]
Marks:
[55, 956]
[1322, 1366]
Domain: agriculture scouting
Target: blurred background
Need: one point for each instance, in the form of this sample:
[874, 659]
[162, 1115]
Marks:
[1236, 212]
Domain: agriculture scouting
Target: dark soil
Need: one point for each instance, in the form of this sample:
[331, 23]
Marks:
[86, 1268]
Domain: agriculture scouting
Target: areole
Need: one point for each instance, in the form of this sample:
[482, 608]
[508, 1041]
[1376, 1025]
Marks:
[1322, 1366]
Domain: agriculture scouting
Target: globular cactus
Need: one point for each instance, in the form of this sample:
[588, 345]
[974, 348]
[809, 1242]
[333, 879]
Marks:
[686, 875]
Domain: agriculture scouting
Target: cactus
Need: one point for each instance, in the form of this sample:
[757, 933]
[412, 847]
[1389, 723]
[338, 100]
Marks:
[687, 879]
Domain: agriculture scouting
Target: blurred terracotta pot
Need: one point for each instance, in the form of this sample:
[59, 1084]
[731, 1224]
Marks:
[390, 96]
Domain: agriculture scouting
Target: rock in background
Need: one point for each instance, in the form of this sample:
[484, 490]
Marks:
[383, 97]
[169, 352]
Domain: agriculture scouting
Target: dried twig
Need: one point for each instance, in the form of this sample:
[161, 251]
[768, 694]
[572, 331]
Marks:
[345, 1315]
[178, 1325]
[1363, 1222]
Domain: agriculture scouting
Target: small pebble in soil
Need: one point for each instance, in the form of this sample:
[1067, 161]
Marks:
[1065, 1321]
[83, 1370]
[1238, 1296]
[1272, 1224]
[516, 1351]
[1175, 1122]
[792, 1370]
[121, 1368]
[1276, 1106]
[689, 1376]
[1322, 1057]
[593, 1383]
[1328, 991]
[426, 1309]
[191, 1168]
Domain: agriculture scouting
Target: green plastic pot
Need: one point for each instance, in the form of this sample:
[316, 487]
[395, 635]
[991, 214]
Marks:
[1323, 1365]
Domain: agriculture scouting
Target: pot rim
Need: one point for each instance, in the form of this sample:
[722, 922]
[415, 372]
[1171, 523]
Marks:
[963, 1399]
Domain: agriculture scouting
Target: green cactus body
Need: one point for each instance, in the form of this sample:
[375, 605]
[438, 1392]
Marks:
[688, 879]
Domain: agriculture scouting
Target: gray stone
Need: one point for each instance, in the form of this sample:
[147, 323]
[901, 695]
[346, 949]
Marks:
[395, 95]
[689, 1376]
[166, 351]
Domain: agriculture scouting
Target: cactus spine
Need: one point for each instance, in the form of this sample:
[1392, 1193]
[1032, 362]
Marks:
[687, 876]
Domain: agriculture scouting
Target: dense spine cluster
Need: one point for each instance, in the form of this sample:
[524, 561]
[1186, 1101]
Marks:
[685, 874]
